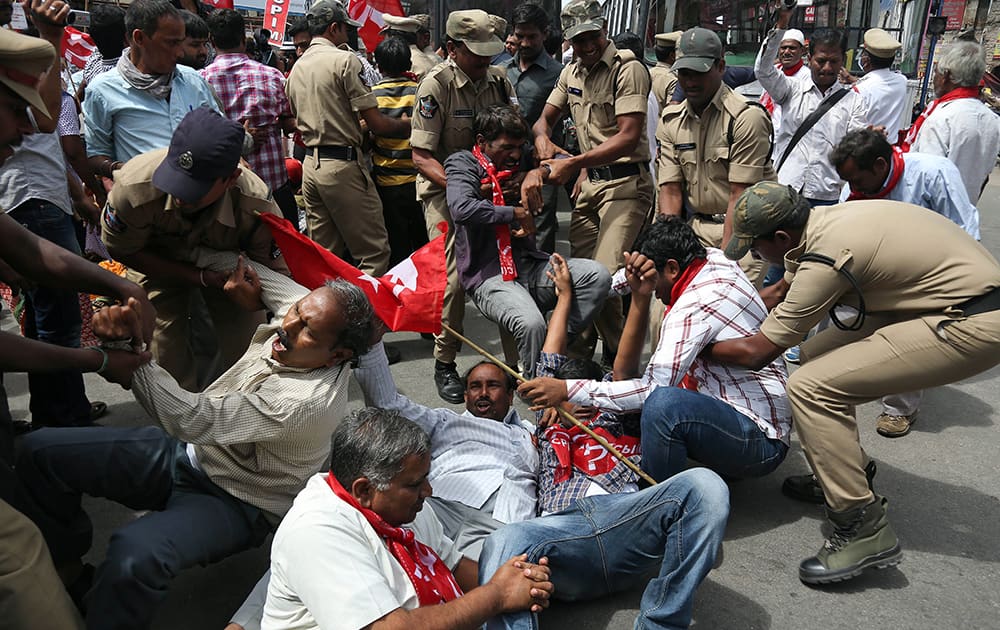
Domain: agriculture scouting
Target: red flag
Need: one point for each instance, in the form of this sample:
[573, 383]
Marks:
[409, 297]
[221, 4]
[369, 13]
[76, 46]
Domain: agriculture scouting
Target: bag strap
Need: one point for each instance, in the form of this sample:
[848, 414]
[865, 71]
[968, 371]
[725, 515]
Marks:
[808, 124]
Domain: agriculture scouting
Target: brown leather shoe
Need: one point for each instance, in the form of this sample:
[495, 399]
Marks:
[893, 426]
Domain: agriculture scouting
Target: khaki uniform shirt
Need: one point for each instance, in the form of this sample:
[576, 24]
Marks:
[420, 62]
[924, 271]
[664, 82]
[695, 149]
[447, 104]
[139, 217]
[594, 98]
[326, 91]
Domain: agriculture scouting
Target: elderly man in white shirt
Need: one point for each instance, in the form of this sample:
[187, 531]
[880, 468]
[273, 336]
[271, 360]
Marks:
[957, 125]
[790, 52]
[803, 164]
[883, 89]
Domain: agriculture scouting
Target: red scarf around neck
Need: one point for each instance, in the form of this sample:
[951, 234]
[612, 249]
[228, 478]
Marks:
[897, 171]
[681, 285]
[790, 71]
[957, 93]
[432, 580]
[507, 269]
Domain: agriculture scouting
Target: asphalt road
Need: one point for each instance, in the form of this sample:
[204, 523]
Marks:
[943, 482]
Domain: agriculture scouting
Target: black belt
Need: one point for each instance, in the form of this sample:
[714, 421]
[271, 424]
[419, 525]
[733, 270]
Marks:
[331, 152]
[989, 301]
[711, 218]
[612, 171]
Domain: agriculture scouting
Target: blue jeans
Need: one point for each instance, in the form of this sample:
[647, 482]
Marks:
[53, 316]
[193, 522]
[679, 423]
[611, 543]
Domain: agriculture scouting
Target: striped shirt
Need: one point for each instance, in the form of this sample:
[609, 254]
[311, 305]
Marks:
[719, 304]
[262, 429]
[471, 458]
[393, 159]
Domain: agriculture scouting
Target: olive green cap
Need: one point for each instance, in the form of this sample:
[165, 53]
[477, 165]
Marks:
[760, 210]
[698, 50]
[327, 12]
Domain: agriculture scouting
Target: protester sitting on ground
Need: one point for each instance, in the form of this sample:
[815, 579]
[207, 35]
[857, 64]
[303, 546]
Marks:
[574, 465]
[736, 422]
[383, 463]
[499, 264]
[342, 558]
[223, 466]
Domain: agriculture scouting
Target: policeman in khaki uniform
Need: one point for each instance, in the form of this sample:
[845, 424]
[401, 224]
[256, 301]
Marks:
[663, 75]
[712, 146]
[406, 28]
[902, 321]
[327, 94]
[164, 205]
[448, 99]
[606, 93]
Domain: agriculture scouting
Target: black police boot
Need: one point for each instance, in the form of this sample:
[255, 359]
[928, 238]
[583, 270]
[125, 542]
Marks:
[806, 487]
[448, 383]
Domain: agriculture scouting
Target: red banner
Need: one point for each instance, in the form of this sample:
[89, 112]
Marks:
[275, 18]
[76, 46]
[369, 13]
[221, 4]
[576, 449]
[409, 297]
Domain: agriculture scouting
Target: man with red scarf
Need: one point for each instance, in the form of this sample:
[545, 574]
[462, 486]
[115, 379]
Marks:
[957, 125]
[342, 558]
[499, 264]
[790, 52]
[735, 421]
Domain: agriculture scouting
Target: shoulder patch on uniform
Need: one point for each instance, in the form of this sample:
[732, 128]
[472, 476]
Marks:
[111, 220]
[428, 106]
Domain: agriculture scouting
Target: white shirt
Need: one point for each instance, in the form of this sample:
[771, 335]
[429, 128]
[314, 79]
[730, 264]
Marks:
[933, 182]
[471, 458]
[808, 168]
[884, 92]
[330, 570]
[720, 303]
[966, 132]
[652, 120]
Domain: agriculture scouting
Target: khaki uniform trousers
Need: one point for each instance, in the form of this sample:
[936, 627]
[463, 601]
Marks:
[842, 369]
[174, 340]
[343, 211]
[606, 220]
[31, 593]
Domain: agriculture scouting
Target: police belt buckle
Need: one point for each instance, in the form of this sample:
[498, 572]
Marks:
[331, 152]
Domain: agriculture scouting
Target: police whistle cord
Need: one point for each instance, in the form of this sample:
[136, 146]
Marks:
[562, 412]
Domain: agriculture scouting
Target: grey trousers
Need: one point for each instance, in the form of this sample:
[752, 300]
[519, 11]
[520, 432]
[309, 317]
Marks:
[520, 305]
[466, 526]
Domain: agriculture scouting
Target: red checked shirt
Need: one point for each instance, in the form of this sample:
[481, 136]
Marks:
[254, 93]
[719, 304]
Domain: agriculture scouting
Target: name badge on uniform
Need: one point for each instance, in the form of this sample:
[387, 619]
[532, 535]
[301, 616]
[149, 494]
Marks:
[686, 146]
[575, 91]
[464, 113]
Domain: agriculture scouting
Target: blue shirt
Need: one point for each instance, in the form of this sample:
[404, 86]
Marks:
[935, 183]
[123, 122]
[533, 85]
